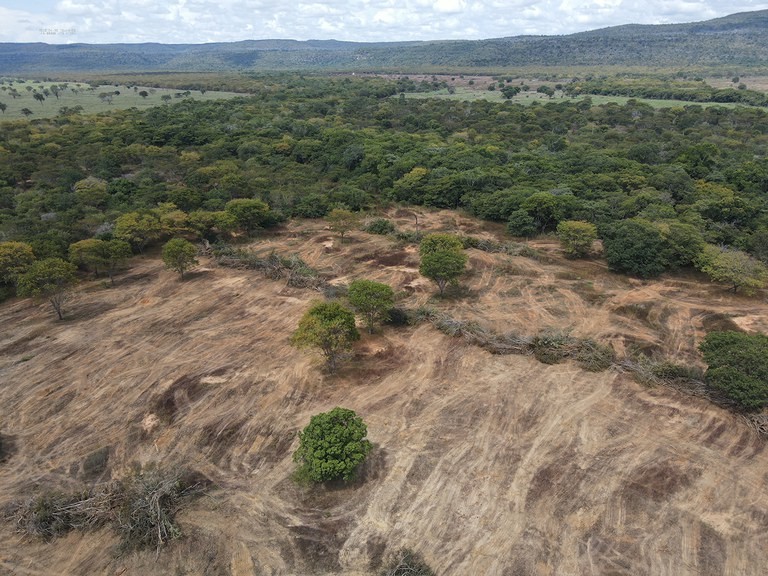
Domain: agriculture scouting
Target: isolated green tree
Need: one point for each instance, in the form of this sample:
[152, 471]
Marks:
[342, 221]
[114, 255]
[733, 267]
[576, 237]
[88, 254]
[15, 259]
[3, 107]
[738, 366]
[329, 327]
[332, 446]
[179, 255]
[372, 300]
[442, 259]
[50, 279]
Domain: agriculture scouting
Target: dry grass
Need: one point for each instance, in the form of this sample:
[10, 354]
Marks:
[484, 463]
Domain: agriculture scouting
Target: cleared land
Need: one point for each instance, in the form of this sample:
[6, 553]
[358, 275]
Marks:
[486, 464]
[91, 100]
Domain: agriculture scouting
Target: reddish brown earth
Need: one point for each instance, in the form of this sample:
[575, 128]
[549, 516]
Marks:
[494, 465]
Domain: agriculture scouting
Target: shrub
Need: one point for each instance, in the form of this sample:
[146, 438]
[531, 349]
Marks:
[380, 226]
[332, 446]
[738, 366]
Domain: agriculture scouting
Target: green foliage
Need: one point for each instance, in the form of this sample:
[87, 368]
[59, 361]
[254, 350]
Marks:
[249, 213]
[406, 562]
[342, 221]
[576, 237]
[138, 229]
[332, 446]
[15, 259]
[738, 366]
[432, 243]
[330, 327]
[372, 300]
[50, 279]
[88, 254]
[381, 226]
[179, 255]
[442, 259]
[636, 247]
[734, 267]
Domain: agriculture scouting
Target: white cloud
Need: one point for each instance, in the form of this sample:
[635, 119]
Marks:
[186, 21]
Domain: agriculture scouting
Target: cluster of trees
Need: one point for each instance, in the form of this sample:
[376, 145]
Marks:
[666, 89]
[680, 180]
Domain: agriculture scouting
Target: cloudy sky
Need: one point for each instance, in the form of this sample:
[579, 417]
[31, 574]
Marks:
[197, 21]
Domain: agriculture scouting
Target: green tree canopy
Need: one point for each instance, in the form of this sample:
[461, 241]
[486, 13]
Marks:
[738, 366]
[15, 259]
[179, 255]
[342, 221]
[88, 253]
[251, 214]
[50, 279]
[372, 300]
[330, 327]
[440, 242]
[733, 267]
[576, 237]
[637, 247]
[443, 267]
[138, 229]
[332, 446]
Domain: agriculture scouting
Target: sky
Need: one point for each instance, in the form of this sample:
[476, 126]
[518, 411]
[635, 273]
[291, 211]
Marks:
[199, 21]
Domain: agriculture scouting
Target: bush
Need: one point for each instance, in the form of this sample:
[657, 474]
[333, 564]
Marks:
[332, 446]
[380, 226]
[738, 366]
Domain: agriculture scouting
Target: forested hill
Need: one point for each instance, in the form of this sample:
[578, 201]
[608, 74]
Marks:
[736, 40]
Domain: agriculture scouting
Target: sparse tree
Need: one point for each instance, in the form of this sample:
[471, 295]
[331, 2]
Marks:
[3, 107]
[330, 327]
[27, 112]
[179, 255]
[342, 221]
[39, 97]
[143, 93]
[332, 446]
[372, 300]
[50, 279]
[165, 98]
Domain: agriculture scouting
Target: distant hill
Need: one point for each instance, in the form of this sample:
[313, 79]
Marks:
[736, 40]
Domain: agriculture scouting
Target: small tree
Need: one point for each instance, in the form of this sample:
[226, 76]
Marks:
[332, 446]
[342, 221]
[139, 229]
[327, 326]
[738, 366]
[442, 259]
[51, 279]
[372, 300]
[576, 237]
[114, 255]
[734, 267]
[88, 254]
[179, 255]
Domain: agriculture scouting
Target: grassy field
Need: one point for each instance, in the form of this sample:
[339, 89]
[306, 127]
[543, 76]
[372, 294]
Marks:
[92, 99]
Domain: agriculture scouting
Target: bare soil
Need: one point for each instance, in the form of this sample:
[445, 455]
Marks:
[485, 464]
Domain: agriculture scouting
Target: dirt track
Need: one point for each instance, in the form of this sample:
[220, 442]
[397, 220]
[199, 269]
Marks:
[486, 464]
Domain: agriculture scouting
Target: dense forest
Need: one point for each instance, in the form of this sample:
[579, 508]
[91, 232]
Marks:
[739, 41]
[676, 182]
